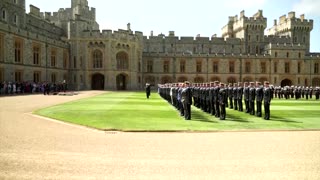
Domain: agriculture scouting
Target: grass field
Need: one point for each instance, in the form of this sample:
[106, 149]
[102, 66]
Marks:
[131, 111]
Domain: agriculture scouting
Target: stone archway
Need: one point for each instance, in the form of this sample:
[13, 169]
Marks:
[286, 82]
[97, 82]
[122, 82]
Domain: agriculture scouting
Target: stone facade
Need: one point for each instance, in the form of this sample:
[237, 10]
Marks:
[68, 44]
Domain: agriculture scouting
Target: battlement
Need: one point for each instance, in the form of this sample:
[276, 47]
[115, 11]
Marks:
[106, 33]
[285, 46]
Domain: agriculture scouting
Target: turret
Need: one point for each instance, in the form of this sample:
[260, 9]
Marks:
[297, 28]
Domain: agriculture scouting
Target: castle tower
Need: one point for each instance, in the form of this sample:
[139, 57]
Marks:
[297, 28]
[82, 3]
[250, 29]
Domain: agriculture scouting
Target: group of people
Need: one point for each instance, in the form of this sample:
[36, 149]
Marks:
[297, 92]
[16, 88]
[214, 97]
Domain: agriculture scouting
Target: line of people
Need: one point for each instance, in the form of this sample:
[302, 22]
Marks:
[214, 97]
[297, 92]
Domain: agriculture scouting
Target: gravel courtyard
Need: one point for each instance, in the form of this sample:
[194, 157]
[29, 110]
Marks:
[33, 147]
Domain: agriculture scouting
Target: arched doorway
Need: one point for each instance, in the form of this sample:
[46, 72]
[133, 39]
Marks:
[97, 82]
[121, 82]
[286, 82]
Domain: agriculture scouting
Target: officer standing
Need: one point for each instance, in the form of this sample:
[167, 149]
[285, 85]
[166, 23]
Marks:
[230, 95]
[252, 97]
[148, 90]
[259, 98]
[267, 100]
[246, 96]
[222, 102]
[186, 99]
[240, 96]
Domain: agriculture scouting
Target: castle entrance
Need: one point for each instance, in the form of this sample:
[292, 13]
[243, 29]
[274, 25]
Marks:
[97, 82]
[286, 82]
[122, 82]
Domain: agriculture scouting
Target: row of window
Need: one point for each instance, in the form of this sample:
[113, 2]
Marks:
[36, 54]
[18, 77]
[247, 68]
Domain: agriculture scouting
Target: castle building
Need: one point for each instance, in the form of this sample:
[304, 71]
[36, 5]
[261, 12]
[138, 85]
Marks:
[68, 45]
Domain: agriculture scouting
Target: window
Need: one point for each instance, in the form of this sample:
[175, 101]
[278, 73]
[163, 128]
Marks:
[215, 67]
[249, 37]
[299, 81]
[122, 61]
[97, 59]
[249, 49]
[287, 67]
[295, 39]
[139, 67]
[182, 66]
[257, 37]
[304, 39]
[53, 77]
[74, 62]
[53, 58]
[18, 51]
[248, 67]
[210, 50]
[65, 59]
[194, 49]
[150, 66]
[15, 19]
[36, 54]
[299, 67]
[275, 67]
[299, 55]
[4, 15]
[166, 66]
[316, 68]
[18, 76]
[199, 67]
[81, 79]
[1, 48]
[75, 78]
[231, 67]
[276, 54]
[263, 67]
[36, 77]
[81, 62]
[288, 54]
[257, 49]
[1, 75]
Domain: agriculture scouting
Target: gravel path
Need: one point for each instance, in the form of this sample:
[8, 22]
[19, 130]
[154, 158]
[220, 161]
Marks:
[37, 148]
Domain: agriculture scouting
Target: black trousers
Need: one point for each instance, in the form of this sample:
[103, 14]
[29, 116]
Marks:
[266, 110]
[240, 105]
[231, 102]
[235, 102]
[251, 103]
[187, 111]
[259, 106]
[222, 111]
[217, 108]
[247, 105]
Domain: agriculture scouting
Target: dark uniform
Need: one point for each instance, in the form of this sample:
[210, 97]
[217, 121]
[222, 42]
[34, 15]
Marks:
[246, 96]
[235, 96]
[216, 98]
[222, 102]
[186, 99]
[240, 96]
[259, 98]
[230, 95]
[252, 96]
[267, 100]
[148, 90]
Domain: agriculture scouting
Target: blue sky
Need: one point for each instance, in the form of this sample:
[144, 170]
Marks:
[188, 17]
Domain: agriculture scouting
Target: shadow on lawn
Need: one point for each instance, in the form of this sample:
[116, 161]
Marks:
[281, 119]
[231, 117]
[199, 116]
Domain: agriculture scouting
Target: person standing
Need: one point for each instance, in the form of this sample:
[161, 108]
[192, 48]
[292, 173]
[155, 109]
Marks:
[252, 96]
[148, 90]
[222, 101]
[259, 98]
[230, 95]
[246, 96]
[240, 96]
[186, 99]
[267, 100]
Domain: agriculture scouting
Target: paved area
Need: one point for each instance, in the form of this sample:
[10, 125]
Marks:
[37, 148]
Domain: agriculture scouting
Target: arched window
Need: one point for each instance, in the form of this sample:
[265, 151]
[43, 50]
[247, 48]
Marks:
[232, 80]
[97, 59]
[198, 80]
[182, 79]
[316, 82]
[4, 15]
[215, 78]
[166, 79]
[122, 61]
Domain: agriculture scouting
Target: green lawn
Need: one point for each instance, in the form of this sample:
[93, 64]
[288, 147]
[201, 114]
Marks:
[131, 111]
